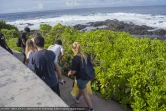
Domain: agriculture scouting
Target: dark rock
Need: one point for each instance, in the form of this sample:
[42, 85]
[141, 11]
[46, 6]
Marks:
[21, 24]
[79, 27]
[29, 24]
[160, 32]
[121, 26]
[160, 21]
[84, 30]
[131, 28]
[96, 24]
[111, 22]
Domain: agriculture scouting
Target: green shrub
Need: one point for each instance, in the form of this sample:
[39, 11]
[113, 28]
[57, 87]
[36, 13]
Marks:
[12, 44]
[10, 33]
[3, 25]
[44, 29]
[129, 70]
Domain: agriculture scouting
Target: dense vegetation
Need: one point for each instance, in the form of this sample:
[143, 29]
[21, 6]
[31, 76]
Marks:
[11, 33]
[129, 70]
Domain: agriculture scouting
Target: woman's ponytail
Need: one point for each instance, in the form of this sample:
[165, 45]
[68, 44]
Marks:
[78, 51]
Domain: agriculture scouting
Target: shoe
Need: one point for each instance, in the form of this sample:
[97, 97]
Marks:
[81, 97]
[76, 100]
[91, 110]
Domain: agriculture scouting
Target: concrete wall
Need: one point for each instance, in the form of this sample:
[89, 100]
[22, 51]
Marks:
[20, 87]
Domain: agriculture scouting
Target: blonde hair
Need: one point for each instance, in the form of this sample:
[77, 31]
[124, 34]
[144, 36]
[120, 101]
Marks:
[29, 46]
[78, 51]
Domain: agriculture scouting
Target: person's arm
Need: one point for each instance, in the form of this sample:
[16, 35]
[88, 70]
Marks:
[73, 66]
[23, 39]
[27, 60]
[27, 57]
[62, 52]
[58, 70]
[71, 72]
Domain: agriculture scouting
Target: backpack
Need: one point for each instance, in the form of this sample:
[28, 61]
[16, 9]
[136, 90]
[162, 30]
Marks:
[44, 75]
[3, 43]
[2, 40]
[19, 42]
[87, 71]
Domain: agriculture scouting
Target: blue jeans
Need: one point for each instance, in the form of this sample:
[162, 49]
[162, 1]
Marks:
[82, 83]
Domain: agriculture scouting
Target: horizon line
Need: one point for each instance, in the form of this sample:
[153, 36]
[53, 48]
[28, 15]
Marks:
[80, 8]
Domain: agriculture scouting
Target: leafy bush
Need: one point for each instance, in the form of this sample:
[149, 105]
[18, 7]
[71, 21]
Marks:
[3, 25]
[12, 44]
[10, 33]
[44, 29]
[129, 70]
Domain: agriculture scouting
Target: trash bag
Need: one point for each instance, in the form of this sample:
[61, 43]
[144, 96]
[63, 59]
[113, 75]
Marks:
[75, 89]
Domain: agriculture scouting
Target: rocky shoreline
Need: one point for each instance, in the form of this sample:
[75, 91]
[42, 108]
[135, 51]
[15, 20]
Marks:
[121, 26]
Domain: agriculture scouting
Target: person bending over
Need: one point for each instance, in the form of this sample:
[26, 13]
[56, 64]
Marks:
[58, 50]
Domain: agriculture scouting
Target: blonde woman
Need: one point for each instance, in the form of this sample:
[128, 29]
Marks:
[75, 68]
[30, 49]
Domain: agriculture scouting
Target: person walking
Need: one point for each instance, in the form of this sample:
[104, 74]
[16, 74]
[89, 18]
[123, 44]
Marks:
[23, 38]
[81, 59]
[30, 49]
[58, 50]
[42, 62]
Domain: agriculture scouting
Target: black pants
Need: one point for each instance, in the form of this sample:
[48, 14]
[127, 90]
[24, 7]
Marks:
[56, 89]
[23, 52]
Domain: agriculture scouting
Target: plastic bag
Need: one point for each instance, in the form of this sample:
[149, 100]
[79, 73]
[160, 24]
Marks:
[75, 89]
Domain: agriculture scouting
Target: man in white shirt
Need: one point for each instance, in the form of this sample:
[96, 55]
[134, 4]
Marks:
[58, 50]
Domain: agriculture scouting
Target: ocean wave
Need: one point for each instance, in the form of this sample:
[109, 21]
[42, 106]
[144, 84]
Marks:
[155, 21]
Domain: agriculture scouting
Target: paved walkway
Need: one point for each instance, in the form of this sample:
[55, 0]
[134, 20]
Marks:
[98, 103]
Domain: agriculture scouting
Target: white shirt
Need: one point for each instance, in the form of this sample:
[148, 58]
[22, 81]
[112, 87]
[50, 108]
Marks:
[56, 49]
[33, 39]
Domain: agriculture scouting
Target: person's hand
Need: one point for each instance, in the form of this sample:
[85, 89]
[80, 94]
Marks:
[69, 73]
[62, 82]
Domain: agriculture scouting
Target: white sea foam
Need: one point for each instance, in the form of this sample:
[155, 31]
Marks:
[155, 21]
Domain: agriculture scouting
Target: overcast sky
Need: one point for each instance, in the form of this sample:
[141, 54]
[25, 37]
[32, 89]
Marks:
[10, 6]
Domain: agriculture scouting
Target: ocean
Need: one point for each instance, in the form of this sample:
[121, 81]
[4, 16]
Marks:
[153, 16]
